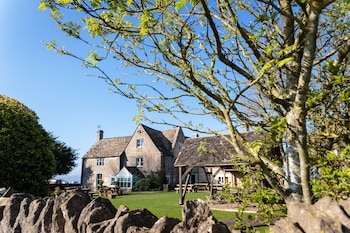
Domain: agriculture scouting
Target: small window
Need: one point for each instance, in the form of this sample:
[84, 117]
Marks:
[139, 162]
[139, 143]
[113, 181]
[100, 162]
[221, 180]
[99, 181]
[124, 182]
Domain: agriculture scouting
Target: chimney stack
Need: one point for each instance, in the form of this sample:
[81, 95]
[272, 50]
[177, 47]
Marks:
[195, 135]
[99, 135]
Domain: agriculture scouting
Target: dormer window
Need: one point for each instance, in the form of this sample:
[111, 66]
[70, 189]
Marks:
[139, 143]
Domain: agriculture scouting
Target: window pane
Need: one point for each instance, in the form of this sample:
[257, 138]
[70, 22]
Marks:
[139, 143]
[98, 179]
[100, 161]
[139, 162]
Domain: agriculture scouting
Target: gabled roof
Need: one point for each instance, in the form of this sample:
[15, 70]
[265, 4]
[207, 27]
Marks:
[129, 172]
[108, 147]
[135, 171]
[114, 147]
[163, 140]
[172, 134]
[218, 151]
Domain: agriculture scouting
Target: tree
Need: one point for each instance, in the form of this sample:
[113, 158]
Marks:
[269, 65]
[65, 156]
[27, 161]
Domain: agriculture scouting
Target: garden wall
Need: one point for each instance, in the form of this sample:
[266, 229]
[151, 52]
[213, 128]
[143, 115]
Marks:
[76, 212]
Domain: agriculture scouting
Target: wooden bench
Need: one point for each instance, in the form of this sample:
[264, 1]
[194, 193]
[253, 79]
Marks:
[218, 187]
[202, 186]
[190, 188]
[112, 194]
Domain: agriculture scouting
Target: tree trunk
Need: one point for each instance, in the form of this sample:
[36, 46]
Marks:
[292, 155]
[298, 170]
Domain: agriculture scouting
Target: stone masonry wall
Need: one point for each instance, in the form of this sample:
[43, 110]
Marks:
[76, 212]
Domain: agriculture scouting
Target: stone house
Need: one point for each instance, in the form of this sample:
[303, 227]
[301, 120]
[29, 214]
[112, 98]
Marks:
[123, 160]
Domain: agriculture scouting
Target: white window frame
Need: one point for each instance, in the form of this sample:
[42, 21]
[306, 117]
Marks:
[113, 181]
[99, 179]
[139, 143]
[139, 162]
[100, 161]
[221, 180]
[125, 182]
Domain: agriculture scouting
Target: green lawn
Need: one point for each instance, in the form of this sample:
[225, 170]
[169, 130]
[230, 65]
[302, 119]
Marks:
[159, 203]
[166, 204]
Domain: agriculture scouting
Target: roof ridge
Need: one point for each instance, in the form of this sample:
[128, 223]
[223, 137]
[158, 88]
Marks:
[108, 147]
[116, 137]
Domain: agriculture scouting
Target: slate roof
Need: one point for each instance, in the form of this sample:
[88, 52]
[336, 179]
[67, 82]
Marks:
[171, 134]
[108, 147]
[135, 171]
[218, 151]
[163, 139]
[114, 147]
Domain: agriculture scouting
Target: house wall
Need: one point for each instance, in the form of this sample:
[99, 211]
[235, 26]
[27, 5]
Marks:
[152, 157]
[153, 160]
[90, 170]
[171, 172]
[233, 178]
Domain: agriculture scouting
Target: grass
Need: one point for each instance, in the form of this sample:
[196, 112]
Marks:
[159, 203]
[166, 204]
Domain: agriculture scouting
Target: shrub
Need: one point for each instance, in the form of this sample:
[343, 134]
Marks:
[156, 179]
[142, 185]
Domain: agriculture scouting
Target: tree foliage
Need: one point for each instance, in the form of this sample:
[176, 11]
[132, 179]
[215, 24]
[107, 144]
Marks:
[153, 181]
[253, 192]
[142, 185]
[65, 156]
[27, 161]
[279, 67]
[333, 175]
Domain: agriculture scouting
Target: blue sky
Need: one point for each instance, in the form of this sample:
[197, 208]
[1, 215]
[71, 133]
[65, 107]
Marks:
[69, 103]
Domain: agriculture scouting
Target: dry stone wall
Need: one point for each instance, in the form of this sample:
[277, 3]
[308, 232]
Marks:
[326, 215]
[76, 212]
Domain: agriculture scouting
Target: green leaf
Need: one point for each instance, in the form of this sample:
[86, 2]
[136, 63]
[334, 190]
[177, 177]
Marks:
[284, 61]
[64, 1]
[138, 118]
[93, 58]
[145, 21]
[42, 6]
[180, 4]
[95, 3]
[266, 67]
[93, 27]
[51, 45]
